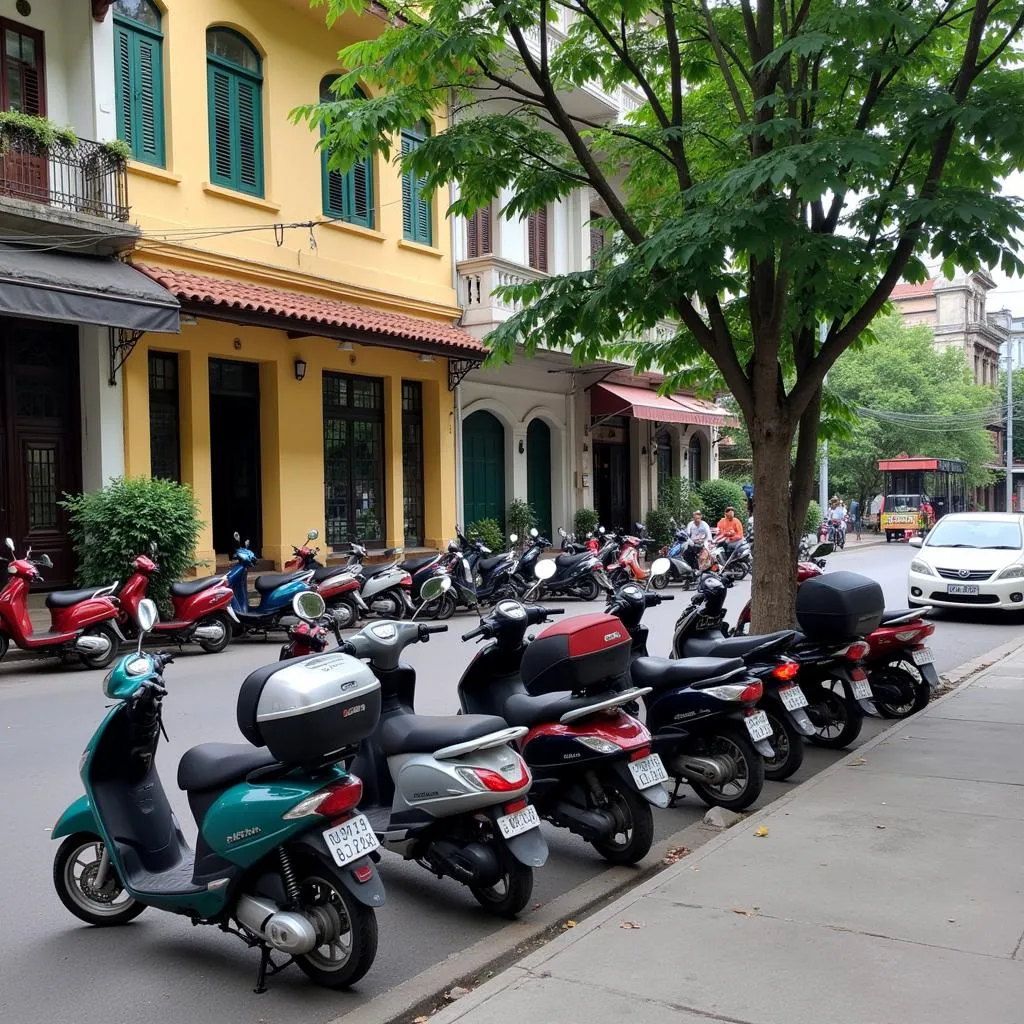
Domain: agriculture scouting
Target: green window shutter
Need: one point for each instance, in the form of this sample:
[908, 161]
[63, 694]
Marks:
[222, 130]
[250, 143]
[123, 85]
[361, 177]
[149, 144]
[424, 217]
[236, 130]
[408, 194]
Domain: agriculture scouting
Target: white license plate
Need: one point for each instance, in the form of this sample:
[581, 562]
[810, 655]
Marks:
[351, 840]
[648, 771]
[758, 726]
[518, 822]
[963, 588]
[861, 689]
[792, 697]
[923, 656]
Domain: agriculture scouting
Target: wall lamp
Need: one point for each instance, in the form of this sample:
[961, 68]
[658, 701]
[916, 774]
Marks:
[522, 446]
[300, 369]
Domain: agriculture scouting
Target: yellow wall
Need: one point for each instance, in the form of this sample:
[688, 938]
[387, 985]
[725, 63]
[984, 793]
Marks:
[291, 421]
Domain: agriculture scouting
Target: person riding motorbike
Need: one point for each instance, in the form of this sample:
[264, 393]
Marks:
[698, 533]
[729, 529]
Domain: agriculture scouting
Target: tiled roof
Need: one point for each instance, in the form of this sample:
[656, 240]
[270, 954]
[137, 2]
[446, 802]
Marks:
[912, 291]
[192, 289]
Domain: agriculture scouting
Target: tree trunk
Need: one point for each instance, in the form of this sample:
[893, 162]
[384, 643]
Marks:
[773, 582]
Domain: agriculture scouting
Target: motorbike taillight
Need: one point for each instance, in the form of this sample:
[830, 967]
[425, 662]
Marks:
[405, 581]
[855, 652]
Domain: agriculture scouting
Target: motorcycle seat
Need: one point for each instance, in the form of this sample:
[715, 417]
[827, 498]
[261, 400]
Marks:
[524, 709]
[67, 598]
[695, 673]
[329, 571]
[272, 580]
[565, 561]
[369, 571]
[741, 646]
[215, 765]
[423, 734]
[413, 565]
[186, 588]
[487, 564]
[891, 614]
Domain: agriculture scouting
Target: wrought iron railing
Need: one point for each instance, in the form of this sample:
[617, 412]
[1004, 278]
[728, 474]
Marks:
[82, 178]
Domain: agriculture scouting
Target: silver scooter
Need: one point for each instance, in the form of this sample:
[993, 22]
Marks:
[448, 792]
[385, 589]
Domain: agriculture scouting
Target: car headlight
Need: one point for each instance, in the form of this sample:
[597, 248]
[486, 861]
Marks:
[1011, 572]
[922, 567]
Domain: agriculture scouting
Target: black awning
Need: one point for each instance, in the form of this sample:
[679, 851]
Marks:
[83, 290]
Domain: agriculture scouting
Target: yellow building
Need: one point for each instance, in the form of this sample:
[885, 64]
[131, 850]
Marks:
[311, 383]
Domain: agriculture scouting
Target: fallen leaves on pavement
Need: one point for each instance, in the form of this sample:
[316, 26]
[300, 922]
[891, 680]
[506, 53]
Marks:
[631, 925]
[677, 853]
[761, 832]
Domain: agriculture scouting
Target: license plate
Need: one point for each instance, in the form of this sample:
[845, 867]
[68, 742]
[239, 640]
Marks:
[517, 823]
[963, 588]
[792, 698]
[648, 771]
[861, 689]
[758, 726]
[923, 656]
[351, 840]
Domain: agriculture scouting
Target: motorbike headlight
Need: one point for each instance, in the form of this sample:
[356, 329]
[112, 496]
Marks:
[1011, 572]
[917, 565]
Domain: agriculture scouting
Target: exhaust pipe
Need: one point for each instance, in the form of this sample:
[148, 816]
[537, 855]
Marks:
[285, 930]
[711, 770]
[92, 645]
[214, 632]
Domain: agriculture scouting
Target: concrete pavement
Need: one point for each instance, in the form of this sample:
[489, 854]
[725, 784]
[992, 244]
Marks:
[887, 889]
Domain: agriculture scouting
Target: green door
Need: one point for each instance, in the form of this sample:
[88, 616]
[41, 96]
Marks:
[483, 468]
[538, 473]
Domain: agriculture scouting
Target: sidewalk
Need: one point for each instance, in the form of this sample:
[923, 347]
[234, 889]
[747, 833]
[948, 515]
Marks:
[888, 890]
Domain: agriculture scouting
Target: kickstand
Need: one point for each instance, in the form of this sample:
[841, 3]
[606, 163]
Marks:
[267, 968]
[675, 797]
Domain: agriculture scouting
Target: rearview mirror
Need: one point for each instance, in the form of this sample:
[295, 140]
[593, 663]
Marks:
[238, 537]
[513, 537]
[434, 587]
[10, 544]
[312, 535]
[544, 570]
[915, 542]
[152, 547]
[823, 549]
[533, 531]
[660, 566]
[561, 532]
[45, 562]
[308, 605]
[146, 615]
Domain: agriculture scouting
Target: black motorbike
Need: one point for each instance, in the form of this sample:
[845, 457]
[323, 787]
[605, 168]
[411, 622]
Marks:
[491, 574]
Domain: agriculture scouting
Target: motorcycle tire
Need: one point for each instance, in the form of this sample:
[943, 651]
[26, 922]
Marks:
[837, 721]
[788, 744]
[100, 913]
[739, 747]
[587, 589]
[5, 643]
[394, 603]
[660, 582]
[511, 893]
[635, 822]
[319, 887]
[224, 621]
[345, 613]
[906, 679]
[104, 659]
[448, 606]
[739, 573]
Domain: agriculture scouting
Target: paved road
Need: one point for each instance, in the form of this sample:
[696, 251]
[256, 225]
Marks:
[52, 971]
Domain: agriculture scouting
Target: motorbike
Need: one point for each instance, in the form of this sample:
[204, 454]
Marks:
[82, 622]
[202, 608]
[462, 593]
[283, 858]
[385, 588]
[834, 533]
[422, 569]
[680, 570]
[491, 574]
[593, 769]
[579, 575]
[627, 563]
[338, 585]
[734, 558]
[275, 591]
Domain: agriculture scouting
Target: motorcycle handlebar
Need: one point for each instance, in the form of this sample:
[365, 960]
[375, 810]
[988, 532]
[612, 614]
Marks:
[426, 630]
[479, 631]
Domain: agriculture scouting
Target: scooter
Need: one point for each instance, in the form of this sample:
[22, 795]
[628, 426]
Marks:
[492, 575]
[679, 570]
[463, 590]
[421, 570]
[594, 772]
[338, 585]
[734, 559]
[385, 589]
[580, 575]
[202, 612]
[627, 566]
[275, 590]
[82, 622]
[283, 860]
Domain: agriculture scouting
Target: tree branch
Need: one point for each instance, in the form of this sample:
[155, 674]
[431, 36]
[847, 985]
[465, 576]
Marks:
[723, 65]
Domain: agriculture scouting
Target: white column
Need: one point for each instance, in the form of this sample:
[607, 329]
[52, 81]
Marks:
[102, 420]
[515, 465]
[104, 113]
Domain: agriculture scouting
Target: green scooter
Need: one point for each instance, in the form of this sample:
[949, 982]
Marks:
[283, 859]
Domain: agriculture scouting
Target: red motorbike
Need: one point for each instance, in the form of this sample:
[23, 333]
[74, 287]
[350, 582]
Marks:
[202, 608]
[627, 566]
[338, 585]
[82, 622]
[309, 635]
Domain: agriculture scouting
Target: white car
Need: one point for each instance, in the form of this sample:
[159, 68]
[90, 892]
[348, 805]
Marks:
[970, 560]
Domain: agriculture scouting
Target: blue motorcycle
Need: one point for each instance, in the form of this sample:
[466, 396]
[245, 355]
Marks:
[276, 591]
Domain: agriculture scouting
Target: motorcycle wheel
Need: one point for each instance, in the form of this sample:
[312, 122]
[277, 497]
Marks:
[98, 907]
[587, 589]
[634, 822]
[225, 623]
[344, 958]
[905, 679]
[4, 644]
[749, 772]
[837, 721]
[788, 745]
[511, 893]
[738, 573]
[103, 659]
[388, 606]
[344, 613]
[448, 606]
[660, 582]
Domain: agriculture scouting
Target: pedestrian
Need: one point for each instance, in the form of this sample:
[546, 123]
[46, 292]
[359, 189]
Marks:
[855, 516]
[699, 534]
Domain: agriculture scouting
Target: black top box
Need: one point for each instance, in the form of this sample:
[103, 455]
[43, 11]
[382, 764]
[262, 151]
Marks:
[839, 606]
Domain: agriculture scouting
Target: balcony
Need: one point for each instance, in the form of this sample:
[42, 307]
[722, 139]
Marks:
[478, 278]
[77, 190]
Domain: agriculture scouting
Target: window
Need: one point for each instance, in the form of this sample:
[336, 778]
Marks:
[348, 196]
[164, 421]
[417, 220]
[663, 439]
[412, 460]
[234, 82]
[537, 239]
[22, 80]
[696, 459]
[479, 233]
[139, 80]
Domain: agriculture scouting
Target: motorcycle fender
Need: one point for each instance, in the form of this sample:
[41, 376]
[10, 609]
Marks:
[406, 600]
[929, 675]
[77, 818]
[656, 795]
[529, 848]
[232, 614]
[867, 705]
[370, 893]
[801, 721]
[764, 748]
[360, 603]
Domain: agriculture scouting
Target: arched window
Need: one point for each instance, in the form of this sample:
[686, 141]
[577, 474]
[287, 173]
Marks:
[663, 439]
[695, 455]
[347, 196]
[234, 81]
[417, 220]
[139, 79]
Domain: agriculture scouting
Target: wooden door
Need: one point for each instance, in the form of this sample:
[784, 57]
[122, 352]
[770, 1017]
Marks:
[538, 473]
[23, 89]
[483, 468]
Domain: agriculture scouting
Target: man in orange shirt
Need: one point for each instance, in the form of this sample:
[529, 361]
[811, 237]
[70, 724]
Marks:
[730, 529]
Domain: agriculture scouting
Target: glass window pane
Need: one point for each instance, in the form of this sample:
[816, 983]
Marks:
[139, 10]
[232, 47]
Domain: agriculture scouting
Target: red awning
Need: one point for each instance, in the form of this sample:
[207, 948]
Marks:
[643, 404]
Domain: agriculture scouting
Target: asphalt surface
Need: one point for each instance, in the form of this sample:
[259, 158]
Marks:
[54, 970]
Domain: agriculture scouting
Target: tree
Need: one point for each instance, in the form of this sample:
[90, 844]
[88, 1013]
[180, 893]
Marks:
[792, 160]
[906, 379]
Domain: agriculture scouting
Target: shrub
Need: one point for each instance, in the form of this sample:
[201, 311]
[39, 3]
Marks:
[108, 528]
[813, 518]
[520, 517]
[677, 499]
[489, 531]
[658, 526]
[714, 496]
[584, 522]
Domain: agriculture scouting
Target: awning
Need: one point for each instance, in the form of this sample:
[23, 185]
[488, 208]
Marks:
[83, 290]
[643, 404]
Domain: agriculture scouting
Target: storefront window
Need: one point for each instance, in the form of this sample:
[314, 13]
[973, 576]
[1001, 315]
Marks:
[164, 425]
[412, 461]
